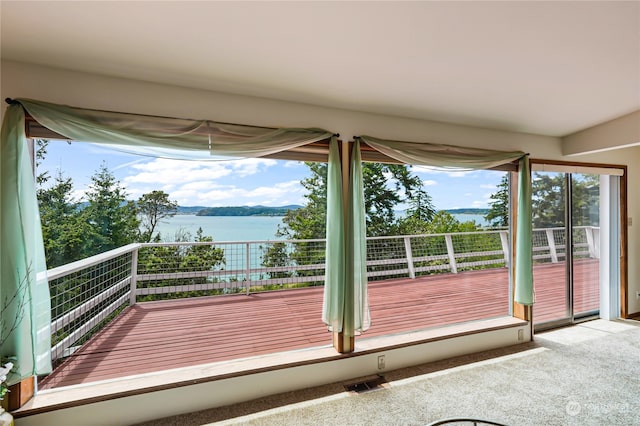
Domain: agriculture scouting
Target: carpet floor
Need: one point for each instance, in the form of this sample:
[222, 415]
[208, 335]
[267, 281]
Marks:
[587, 374]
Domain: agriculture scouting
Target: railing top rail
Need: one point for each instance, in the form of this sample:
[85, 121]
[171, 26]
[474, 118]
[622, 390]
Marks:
[561, 228]
[69, 268]
[484, 231]
[78, 265]
[208, 243]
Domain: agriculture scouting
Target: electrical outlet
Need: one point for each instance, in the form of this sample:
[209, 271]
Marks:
[521, 334]
[381, 362]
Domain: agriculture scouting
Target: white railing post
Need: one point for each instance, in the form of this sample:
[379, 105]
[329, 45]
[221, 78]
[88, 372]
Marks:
[504, 239]
[407, 249]
[248, 268]
[450, 253]
[134, 277]
[588, 230]
[552, 245]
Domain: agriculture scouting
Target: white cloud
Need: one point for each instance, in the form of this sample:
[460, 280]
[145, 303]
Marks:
[204, 186]
[78, 195]
[429, 183]
[174, 173]
[129, 164]
[196, 193]
[213, 183]
[292, 164]
[251, 166]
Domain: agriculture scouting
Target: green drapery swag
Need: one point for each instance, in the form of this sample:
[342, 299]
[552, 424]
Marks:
[230, 140]
[345, 307]
[24, 291]
[455, 157]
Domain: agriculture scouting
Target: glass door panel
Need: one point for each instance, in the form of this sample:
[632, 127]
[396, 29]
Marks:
[585, 201]
[552, 291]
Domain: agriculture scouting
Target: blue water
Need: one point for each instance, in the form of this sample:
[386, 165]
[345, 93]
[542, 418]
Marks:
[242, 228]
[222, 228]
[477, 218]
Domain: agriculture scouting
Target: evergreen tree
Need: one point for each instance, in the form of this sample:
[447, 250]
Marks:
[419, 214]
[65, 227]
[498, 215]
[112, 217]
[586, 199]
[152, 208]
[41, 153]
[548, 199]
[310, 221]
[385, 187]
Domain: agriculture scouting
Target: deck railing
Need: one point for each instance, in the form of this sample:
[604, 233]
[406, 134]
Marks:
[87, 294]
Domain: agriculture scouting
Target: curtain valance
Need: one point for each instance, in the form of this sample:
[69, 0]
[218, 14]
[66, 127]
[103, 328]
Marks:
[233, 140]
[444, 156]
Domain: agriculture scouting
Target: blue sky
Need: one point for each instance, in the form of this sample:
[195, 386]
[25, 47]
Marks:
[238, 182]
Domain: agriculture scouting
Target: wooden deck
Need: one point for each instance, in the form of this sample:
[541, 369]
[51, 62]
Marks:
[155, 336]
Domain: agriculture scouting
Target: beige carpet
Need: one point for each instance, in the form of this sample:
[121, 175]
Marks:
[587, 374]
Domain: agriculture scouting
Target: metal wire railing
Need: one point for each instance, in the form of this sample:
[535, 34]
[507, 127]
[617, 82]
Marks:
[168, 270]
[87, 294]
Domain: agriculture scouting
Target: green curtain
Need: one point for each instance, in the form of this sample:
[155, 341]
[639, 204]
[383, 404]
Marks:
[24, 291]
[333, 308]
[449, 156]
[358, 244]
[345, 307]
[524, 237]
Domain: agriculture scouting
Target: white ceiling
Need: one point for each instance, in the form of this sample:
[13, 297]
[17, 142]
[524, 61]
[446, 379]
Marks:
[549, 68]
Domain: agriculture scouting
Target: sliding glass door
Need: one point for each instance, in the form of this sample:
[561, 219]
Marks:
[568, 244]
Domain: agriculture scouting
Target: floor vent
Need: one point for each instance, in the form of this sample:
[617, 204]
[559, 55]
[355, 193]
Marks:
[367, 386]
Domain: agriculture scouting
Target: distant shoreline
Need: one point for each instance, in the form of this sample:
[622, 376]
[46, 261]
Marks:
[232, 211]
[468, 211]
[247, 211]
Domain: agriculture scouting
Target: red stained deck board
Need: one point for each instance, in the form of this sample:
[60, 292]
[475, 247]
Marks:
[154, 336]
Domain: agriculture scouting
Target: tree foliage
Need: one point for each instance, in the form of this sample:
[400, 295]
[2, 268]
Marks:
[66, 231]
[386, 186]
[310, 221]
[113, 219]
[498, 215]
[548, 200]
[152, 208]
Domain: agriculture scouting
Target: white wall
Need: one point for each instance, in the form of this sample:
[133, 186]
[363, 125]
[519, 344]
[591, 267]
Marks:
[100, 92]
